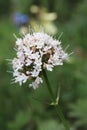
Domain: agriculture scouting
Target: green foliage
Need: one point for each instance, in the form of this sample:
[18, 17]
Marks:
[79, 111]
[6, 39]
[21, 119]
[5, 7]
[50, 125]
[62, 9]
[21, 5]
[80, 31]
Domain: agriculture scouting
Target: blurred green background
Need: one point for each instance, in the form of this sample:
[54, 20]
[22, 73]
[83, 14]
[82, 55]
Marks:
[19, 110]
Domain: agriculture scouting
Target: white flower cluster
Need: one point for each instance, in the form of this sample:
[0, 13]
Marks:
[35, 52]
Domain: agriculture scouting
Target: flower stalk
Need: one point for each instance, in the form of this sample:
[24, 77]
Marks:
[55, 103]
[37, 52]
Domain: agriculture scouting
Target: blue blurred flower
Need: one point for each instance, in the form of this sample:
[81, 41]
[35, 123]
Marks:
[20, 19]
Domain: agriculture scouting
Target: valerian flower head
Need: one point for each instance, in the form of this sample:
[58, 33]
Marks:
[36, 51]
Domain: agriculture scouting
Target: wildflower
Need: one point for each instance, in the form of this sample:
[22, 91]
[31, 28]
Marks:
[20, 19]
[36, 51]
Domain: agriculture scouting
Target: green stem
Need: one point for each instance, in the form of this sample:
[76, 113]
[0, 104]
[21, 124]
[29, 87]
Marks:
[57, 108]
[60, 114]
[48, 86]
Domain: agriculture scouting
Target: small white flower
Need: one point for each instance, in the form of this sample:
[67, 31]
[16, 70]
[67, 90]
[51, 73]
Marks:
[39, 80]
[28, 62]
[49, 67]
[36, 51]
[17, 64]
[20, 77]
[35, 73]
[19, 42]
[36, 83]
[65, 56]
